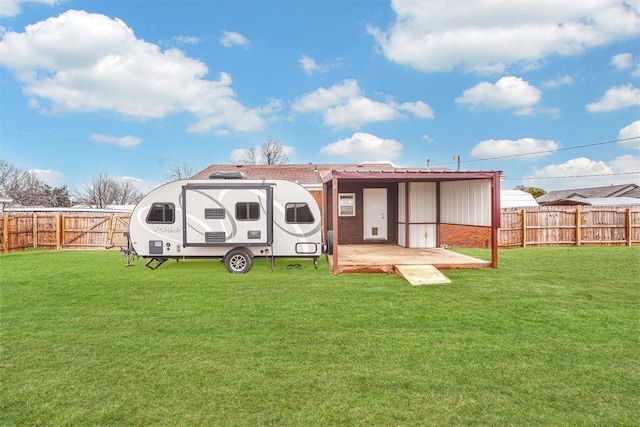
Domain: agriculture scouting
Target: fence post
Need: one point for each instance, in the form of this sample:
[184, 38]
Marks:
[5, 234]
[627, 219]
[59, 233]
[524, 227]
[578, 226]
[35, 230]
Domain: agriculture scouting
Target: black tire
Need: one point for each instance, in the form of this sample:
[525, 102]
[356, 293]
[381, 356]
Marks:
[330, 242]
[238, 261]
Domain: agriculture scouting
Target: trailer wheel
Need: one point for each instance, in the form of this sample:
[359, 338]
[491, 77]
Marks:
[238, 261]
[330, 242]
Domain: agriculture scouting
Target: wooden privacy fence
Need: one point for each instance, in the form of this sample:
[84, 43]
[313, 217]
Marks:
[569, 225]
[554, 226]
[70, 230]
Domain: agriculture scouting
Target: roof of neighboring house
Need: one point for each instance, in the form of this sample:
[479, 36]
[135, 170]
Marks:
[597, 201]
[309, 174]
[626, 190]
[516, 199]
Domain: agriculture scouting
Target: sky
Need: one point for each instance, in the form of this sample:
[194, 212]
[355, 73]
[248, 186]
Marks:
[547, 91]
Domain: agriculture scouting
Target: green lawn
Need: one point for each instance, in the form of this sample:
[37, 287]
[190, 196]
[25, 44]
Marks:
[549, 338]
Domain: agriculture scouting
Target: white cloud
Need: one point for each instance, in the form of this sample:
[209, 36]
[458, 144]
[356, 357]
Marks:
[427, 138]
[631, 131]
[622, 60]
[187, 39]
[344, 106]
[123, 141]
[143, 185]
[559, 81]
[616, 98]
[418, 109]
[526, 148]
[507, 93]
[491, 36]
[12, 7]
[359, 111]
[310, 66]
[364, 146]
[231, 38]
[83, 62]
[322, 98]
[51, 177]
[575, 172]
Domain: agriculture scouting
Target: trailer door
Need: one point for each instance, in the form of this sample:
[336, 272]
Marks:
[227, 214]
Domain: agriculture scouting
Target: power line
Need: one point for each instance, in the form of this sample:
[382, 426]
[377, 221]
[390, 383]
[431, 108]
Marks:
[555, 150]
[536, 153]
[574, 176]
[97, 144]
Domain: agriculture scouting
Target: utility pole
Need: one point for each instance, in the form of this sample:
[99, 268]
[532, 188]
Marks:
[455, 157]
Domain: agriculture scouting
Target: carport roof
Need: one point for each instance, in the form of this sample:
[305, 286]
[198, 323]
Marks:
[407, 174]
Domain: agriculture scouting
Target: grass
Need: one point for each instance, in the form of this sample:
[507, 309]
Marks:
[549, 338]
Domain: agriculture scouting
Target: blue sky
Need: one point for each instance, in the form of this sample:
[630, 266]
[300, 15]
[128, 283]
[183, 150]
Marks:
[546, 91]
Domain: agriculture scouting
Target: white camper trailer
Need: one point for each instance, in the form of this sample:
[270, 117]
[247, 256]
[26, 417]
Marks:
[231, 219]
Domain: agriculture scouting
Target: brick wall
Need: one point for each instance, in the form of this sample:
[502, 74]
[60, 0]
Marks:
[464, 236]
[351, 228]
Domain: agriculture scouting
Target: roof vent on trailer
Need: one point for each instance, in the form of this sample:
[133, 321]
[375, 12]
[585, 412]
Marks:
[227, 175]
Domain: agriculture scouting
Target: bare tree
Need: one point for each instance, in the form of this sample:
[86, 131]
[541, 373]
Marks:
[23, 186]
[271, 152]
[127, 193]
[250, 157]
[181, 170]
[105, 190]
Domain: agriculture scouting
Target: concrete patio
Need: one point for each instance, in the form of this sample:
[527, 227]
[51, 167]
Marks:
[382, 258]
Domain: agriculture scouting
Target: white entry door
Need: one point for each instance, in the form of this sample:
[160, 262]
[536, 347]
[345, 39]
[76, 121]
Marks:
[375, 213]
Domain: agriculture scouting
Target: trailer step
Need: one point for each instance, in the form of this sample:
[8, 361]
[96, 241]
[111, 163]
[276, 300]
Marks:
[158, 262]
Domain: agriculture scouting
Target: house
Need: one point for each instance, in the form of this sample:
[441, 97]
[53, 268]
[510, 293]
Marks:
[378, 204]
[574, 196]
[619, 202]
[308, 175]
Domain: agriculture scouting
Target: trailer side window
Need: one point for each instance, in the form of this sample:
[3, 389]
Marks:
[299, 213]
[161, 213]
[247, 211]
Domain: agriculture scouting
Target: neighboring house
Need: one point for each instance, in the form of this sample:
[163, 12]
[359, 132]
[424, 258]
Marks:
[576, 196]
[517, 199]
[382, 203]
[309, 175]
[620, 202]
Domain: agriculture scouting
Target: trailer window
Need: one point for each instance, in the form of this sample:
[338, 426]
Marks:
[247, 211]
[161, 213]
[299, 213]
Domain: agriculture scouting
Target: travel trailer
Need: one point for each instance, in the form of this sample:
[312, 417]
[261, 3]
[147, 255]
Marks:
[226, 217]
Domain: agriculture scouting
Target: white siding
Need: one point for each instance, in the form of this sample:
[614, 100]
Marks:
[422, 202]
[423, 235]
[422, 214]
[402, 241]
[466, 202]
